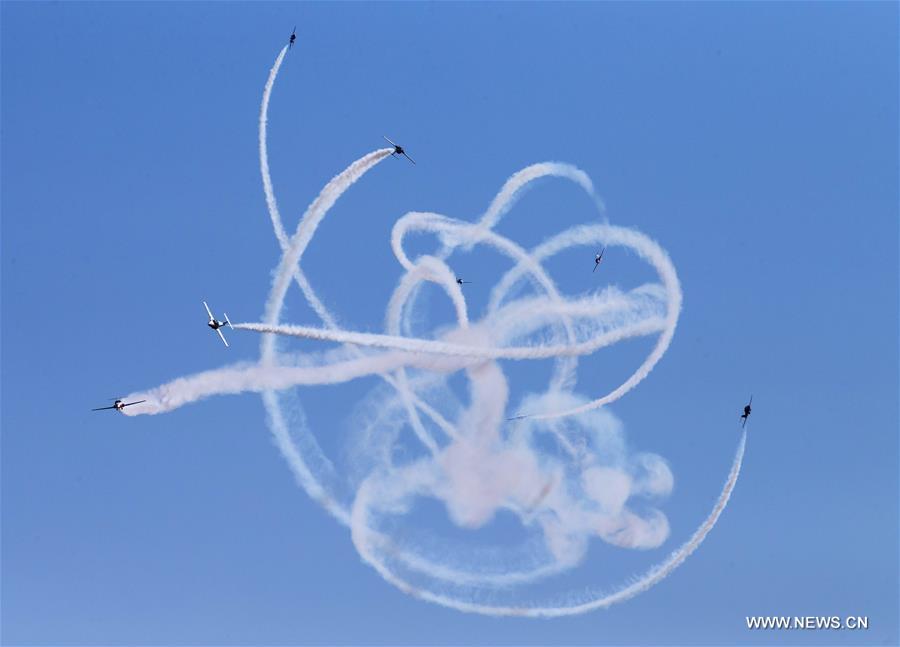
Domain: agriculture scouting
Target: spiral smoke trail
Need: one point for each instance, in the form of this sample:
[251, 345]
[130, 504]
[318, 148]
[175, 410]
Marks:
[562, 468]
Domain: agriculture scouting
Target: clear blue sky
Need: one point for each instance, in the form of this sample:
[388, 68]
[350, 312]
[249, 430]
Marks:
[758, 143]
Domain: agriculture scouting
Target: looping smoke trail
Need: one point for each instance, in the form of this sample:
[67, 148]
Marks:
[366, 544]
[563, 470]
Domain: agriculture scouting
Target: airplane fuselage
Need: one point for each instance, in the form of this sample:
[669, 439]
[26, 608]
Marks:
[215, 325]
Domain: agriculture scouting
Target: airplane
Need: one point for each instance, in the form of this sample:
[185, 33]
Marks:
[597, 259]
[746, 412]
[293, 38]
[215, 324]
[398, 150]
[118, 405]
[460, 281]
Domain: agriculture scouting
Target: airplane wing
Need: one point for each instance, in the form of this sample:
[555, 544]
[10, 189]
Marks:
[103, 408]
[389, 141]
[207, 310]
[128, 404]
[222, 336]
[751, 400]
[409, 158]
[596, 265]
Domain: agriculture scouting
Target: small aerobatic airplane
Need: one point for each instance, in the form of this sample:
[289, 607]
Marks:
[398, 150]
[118, 405]
[460, 281]
[215, 324]
[746, 412]
[597, 259]
[293, 38]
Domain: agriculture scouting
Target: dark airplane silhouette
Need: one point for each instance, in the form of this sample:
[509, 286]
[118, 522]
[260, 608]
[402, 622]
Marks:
[460, 281]
[118, 405]
[597, 259]
[746, 413]
[398, 150]
[293, 38]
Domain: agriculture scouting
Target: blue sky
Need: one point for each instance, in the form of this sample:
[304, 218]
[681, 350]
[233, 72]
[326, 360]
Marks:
[757, 143]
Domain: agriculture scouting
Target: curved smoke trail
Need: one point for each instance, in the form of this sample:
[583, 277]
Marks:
[268, 189]
[564, 469]
[364, 543]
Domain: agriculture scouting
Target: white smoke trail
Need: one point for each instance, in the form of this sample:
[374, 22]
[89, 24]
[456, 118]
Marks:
[280, 430]
[455, 234]
[291, 254]
[517, 183]
[269, 191]
[304, 285]
[366, 544]
[480, 464]
[308, 292]
[314, 215]
[647, 249]
[256, 378]
[500, 205]
[426, 347]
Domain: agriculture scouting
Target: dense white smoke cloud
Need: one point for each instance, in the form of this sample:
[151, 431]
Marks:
[429, 468]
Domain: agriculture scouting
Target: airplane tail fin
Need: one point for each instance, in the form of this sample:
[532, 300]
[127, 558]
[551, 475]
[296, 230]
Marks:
[227, 321]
